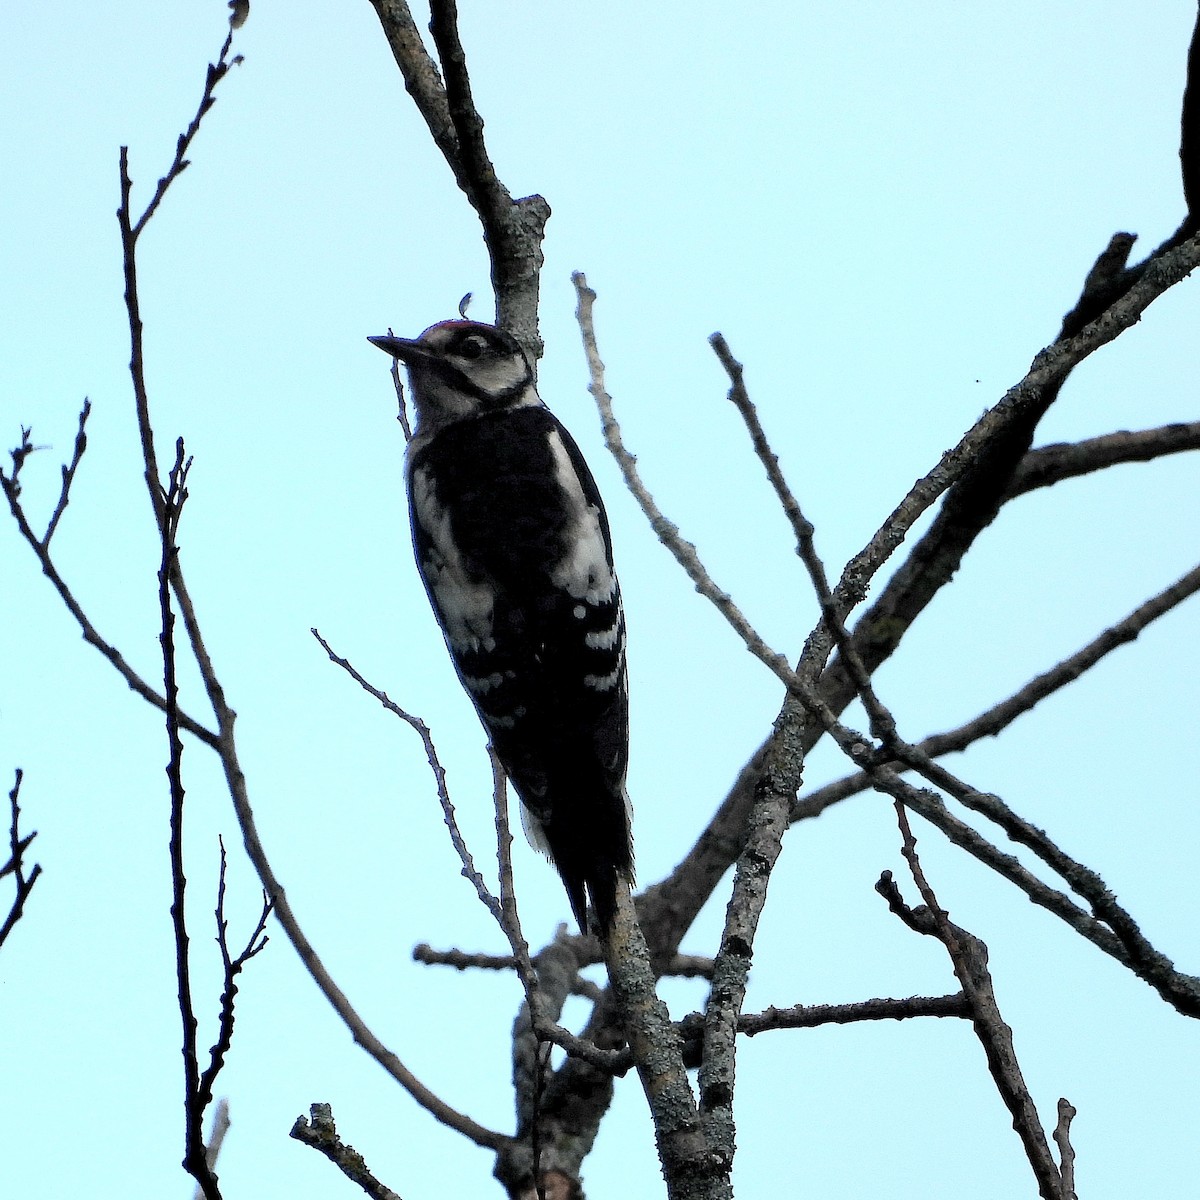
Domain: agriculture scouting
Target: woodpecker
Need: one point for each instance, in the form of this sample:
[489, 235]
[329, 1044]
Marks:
[512, 543]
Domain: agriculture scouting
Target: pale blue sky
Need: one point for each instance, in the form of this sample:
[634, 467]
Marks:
[887, 211]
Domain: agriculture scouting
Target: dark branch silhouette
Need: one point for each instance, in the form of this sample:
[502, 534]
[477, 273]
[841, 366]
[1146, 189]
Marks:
[18, 843]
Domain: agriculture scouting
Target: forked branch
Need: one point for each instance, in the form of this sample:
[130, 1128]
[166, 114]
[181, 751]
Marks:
[18, 843]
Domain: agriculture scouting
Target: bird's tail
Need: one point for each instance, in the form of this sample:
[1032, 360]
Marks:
[595, 860]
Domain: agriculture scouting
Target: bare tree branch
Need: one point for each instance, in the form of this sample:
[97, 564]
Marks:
[689, 1159]
[1066, 1152]
[470, 871]
[195, 1159]
[131, 230]
[216, 1139]
[232, 966]
[1000, 716]
[882, 724]
[682, 966]
[513, 229]
[18, 843]
[1152, 965]
[225, 743]
[502, 911]
[731, 972]
[810, 1016]
[969, 958]
[68, 473]
[813, 1016]
[982, 465]
[975, 480]
[41, 549]
[1049, 465]
[321, 1134]
[422, 80]
[669, 905]
[1189, 137]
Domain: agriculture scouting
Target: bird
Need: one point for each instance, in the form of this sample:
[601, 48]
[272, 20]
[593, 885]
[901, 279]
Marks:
[513, 545]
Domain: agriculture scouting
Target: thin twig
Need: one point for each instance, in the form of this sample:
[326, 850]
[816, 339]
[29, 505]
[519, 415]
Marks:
[470, 871]
[232, 966]
[225, 741]
[969, 958]
[18, 843]
[683, 551]
[461, 960]
[1066, 1152]
[1000, 716]
[882, 724]
[813, 1016]
[195, 1161]
[681, 966]
[216, 72]
[68, 474]
[535, 1006]
[321, 1134]
[547, 1028]
[131, 230]
[40, 547]
[401, 404]
[810, 1016]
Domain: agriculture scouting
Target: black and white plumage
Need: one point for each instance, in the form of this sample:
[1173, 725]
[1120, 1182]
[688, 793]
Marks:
[513, 545]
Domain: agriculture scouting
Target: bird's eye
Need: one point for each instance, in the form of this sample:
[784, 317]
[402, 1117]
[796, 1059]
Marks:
[473, 346]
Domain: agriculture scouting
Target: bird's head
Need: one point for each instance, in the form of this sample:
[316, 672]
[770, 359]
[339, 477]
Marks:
[462, 369]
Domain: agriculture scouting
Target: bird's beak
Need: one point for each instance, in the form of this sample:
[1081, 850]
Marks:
[407, 350]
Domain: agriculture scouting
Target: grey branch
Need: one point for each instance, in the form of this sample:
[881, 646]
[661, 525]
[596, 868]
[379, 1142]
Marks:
[1066, 1152]
[668, 908]
[969, 958]
[497, 907]
[320, 1132]
[513, 229]
[692, 1165]
[1000, 716]
[681, 966]
[812, 1016]
[1052, 464]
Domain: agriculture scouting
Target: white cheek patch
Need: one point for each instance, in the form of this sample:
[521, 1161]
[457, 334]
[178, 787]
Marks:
[466, 604]
[583, 572]
[438, 402]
